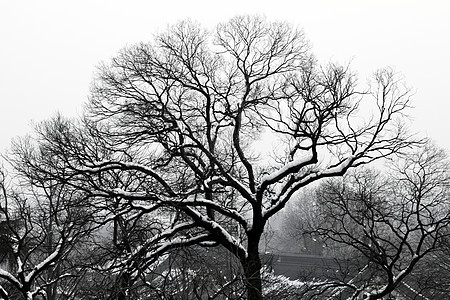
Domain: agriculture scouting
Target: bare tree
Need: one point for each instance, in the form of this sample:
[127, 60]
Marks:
[185, 116]
[432, 275]
[41, 226]
[393, 222]
[293, 230]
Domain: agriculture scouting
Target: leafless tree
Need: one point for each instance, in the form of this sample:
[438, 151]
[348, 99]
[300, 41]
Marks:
[40, 228]
[393, 221]
[188, 120]
[432, 275]
[292, 232]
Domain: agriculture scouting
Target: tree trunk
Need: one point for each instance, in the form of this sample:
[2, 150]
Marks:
[252, 270]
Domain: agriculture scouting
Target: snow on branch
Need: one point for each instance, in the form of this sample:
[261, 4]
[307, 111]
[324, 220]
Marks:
[290, 187]
[202, 201]
[217, 231]
[46, 262]
[159, 242]
[9, 277]
[287, 169]
[103, 166]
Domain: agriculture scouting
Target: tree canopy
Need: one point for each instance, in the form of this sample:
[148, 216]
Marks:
[176, 134]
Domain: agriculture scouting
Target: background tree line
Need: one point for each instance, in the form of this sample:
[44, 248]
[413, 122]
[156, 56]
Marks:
[165, 170]
[387, 229]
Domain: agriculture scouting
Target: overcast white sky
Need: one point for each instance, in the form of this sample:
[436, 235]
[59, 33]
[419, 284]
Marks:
[49, 49]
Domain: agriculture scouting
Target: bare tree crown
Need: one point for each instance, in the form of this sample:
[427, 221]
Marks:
[172, 126]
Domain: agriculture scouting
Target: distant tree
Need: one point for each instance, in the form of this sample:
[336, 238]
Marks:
[187, 119]
[393, 222]
[293, 234]
[432, 275]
